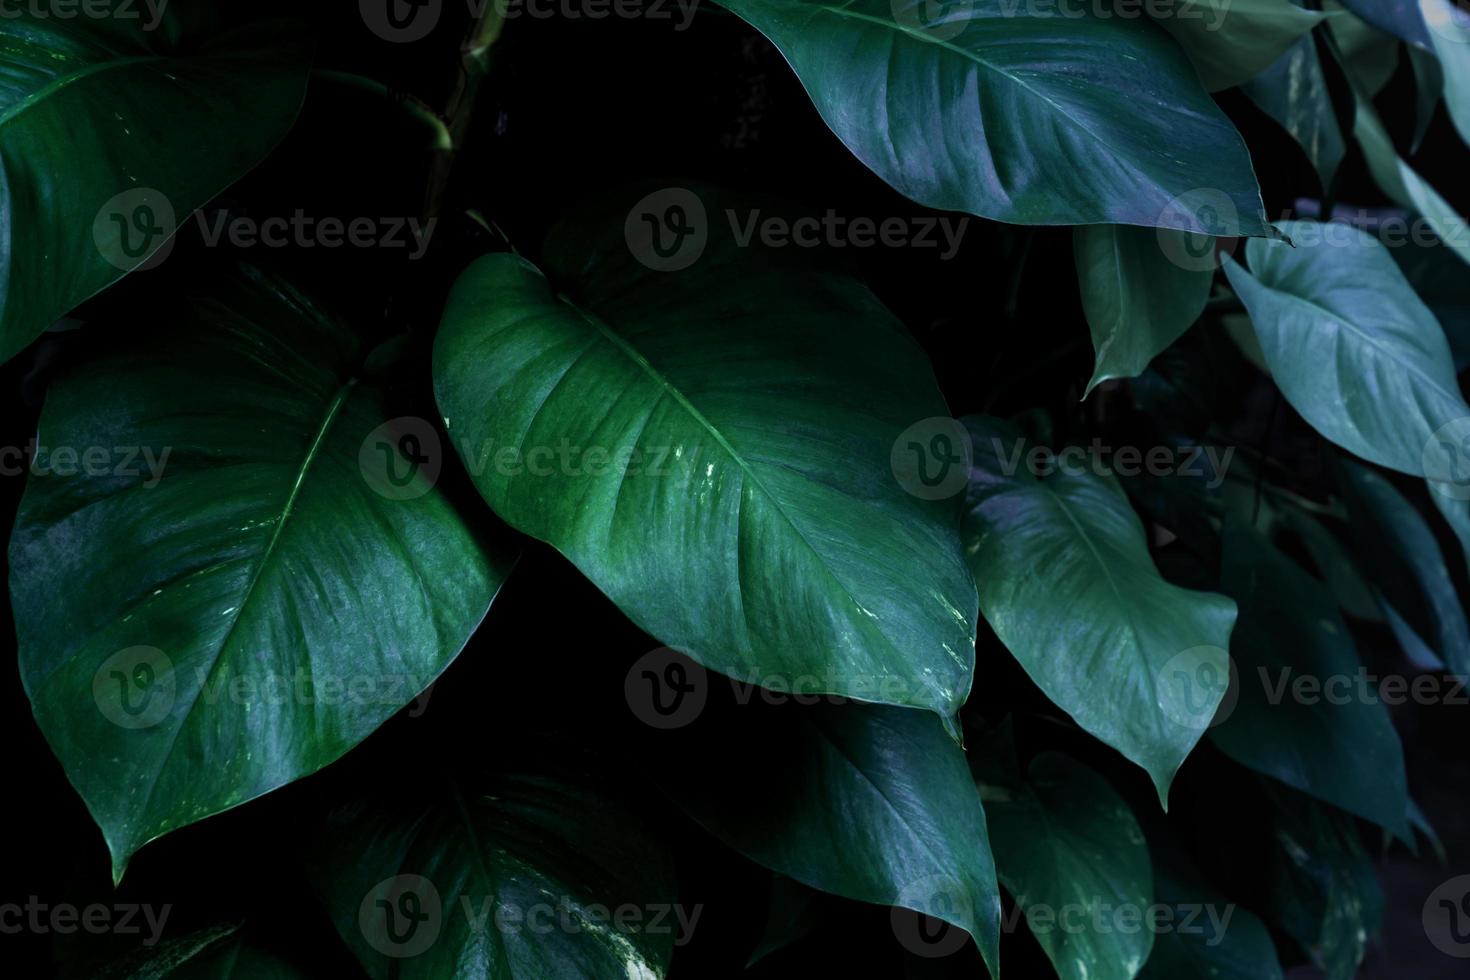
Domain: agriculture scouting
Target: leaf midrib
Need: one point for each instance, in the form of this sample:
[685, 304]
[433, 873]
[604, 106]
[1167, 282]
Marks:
[334, 408]
[62, 81]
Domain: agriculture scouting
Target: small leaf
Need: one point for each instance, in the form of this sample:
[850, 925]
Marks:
[1232, 41]
[1294, 92]
[1138, 299]
[1067, 584]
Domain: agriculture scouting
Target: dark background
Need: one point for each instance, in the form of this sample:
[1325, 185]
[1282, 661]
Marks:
[572, 108]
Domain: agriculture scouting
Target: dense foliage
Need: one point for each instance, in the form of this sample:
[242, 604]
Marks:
[445, 544]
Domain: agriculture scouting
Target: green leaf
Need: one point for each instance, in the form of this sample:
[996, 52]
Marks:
[498, 874]
[1293, 91]
[1307, 713]
[730, 434]
[1351, 346]
[1066, 582]
[1323, 889]
[1068, 846]
[111, 135]
[1026, 114]
[1232, 41]
[1399, 18]
[868, 802]
[1406, 564]
[223, 952]
[256, 591]
[1336, 567]
[1449, 37]
[1137, 297]
[1369, 55]
[1209, 935]
[1403, 184]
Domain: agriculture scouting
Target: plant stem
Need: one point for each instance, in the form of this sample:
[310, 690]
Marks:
[474, 63]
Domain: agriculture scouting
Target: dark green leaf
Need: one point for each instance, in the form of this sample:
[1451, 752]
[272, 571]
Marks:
[1067, 584]
[731, 434]
[111, 135]
[1023, 113]
[499, 875]
[1293, 91]
[254, 592]
[1232, 41]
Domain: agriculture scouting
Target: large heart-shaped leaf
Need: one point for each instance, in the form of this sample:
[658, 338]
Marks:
[1067, 584]
[1351, 346]
[110, 134]
[869, 802]
[233, 566]
[1232, 41]
[1139, 298]
[499, 874]
[728, 437]
[1306, 713]
[1067, 845]
[1028, 113]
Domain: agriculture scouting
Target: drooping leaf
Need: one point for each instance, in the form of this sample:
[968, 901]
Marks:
[1399, 18]
[791, 915]
[1351, 347]
[1336, 567]
[254, 576]
[1323, 890]
[1065, 841]
[111, 134]
[868, 802]
[498, 875]
[1138, 299]
[1293, 91]
[1369, 55]
[1406, 564]
[1066, 582]
[733, 431]
[1428, 90]
[1026, 114]
[1232, 41]
[1307, 713]
[1448, 31]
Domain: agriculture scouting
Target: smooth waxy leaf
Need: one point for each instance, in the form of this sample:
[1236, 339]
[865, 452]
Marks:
[253, 580]
[731, 433]
[1306, 714]
[1067, 584]
[1293, 91]
[1370, 56]
[1323, 889]
[498, 875]
[868, 802]
[1232, 41]
[1351, 346]
[111, 134]
[1065, 841]
[1137, 299]
[1406, 564]
[1024, 113]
